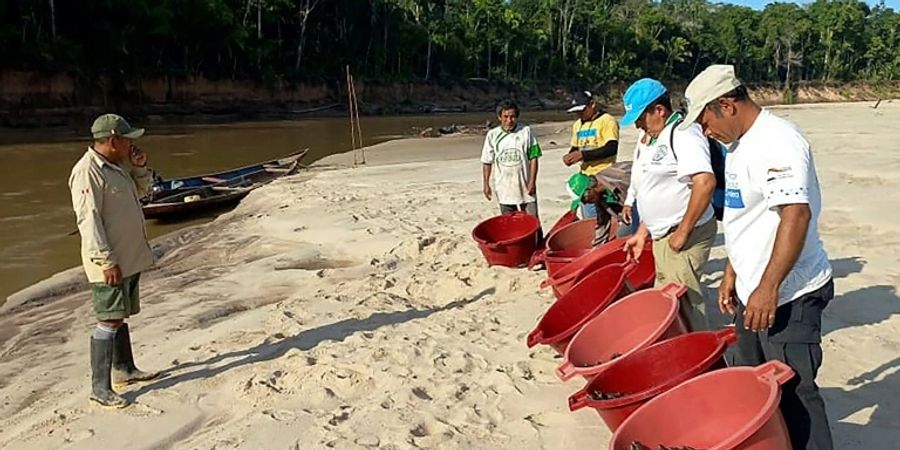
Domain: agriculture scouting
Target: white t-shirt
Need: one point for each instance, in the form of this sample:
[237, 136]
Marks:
[510, 153]
[661, 183]
[770, 166]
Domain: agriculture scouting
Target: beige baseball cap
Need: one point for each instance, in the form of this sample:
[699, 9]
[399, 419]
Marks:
[712, 83]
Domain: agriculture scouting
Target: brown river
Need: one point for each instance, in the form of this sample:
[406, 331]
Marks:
[35, 211]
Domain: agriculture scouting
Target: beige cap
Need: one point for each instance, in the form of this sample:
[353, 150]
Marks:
[712, 83]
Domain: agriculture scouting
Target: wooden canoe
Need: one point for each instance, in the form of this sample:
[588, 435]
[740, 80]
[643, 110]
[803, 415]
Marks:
[184, 197]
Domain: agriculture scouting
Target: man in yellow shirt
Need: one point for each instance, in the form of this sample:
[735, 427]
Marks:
[595, 140]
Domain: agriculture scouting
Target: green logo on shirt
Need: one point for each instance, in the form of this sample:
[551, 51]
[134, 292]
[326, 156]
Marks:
[510, 157]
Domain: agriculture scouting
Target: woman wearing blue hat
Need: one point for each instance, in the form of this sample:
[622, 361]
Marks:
[673, 181]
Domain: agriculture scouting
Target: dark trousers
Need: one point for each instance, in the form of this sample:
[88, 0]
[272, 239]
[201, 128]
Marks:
[530, 208]
[794, 339]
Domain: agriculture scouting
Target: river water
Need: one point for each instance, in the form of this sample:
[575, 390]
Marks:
[35, 206]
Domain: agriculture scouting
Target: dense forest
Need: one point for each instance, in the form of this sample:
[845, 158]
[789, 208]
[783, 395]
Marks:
[402, 40]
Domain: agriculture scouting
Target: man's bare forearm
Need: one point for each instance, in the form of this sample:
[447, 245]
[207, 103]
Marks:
[701, 195]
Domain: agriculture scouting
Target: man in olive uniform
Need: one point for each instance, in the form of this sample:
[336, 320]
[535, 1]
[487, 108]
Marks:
[106, 185]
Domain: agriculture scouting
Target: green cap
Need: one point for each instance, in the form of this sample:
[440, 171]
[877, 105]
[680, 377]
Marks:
[113, 124]
[577, 185]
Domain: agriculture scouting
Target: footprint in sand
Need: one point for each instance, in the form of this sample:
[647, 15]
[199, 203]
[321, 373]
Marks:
[368, 441]
[341, 417]
[430, 433]
[420, 430]
[281, 415]
[421, 393]
[79, 435]
[142, 410]
[461, 391]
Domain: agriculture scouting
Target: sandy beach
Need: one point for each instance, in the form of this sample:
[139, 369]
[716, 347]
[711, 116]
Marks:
[349, 308]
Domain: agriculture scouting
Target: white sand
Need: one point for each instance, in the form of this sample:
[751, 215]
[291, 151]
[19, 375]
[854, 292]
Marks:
[350, 308]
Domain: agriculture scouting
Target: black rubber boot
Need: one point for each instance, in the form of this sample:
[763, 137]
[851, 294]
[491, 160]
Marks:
[124, 370]
[101, 363]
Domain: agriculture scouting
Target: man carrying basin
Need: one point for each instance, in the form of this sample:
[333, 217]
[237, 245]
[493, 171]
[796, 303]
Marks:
[672, 179]
[778, 279]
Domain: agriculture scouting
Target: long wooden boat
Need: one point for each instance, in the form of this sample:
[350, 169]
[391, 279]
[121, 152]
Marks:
[178, 198]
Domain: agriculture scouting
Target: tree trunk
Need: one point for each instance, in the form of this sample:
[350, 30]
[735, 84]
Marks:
[568, 16]
[259, 34]
[587, 46]
[489, 62]
[300, 45]
[306, 8]
[521, 67]
[603, 52]
[384, 67]
[697, 62]
[791, 58]
[53, 19]
[787, 77]
[428, 61]
[506, 61]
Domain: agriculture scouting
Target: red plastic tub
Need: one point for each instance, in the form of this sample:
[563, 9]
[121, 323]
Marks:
[635, 322]
[557, 260]
[565, 219]
[578, 234]
[728, 409]
[651, 371]
[567, 273]
[568, 243]
[642, 276]
[587, 299]
[508, 240]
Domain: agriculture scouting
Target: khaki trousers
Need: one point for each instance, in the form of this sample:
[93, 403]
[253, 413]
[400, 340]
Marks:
[686, 267]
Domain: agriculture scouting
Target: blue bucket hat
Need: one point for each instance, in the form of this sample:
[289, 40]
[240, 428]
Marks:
[638, 97]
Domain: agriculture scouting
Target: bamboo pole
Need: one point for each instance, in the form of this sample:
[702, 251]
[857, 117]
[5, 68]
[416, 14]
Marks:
[359, 138]
[356, 139]
[350, 112]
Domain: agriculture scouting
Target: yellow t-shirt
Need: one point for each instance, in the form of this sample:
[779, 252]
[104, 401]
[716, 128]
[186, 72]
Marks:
[594, 134]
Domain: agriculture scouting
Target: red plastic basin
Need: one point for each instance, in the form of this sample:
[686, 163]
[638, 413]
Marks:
[651, 371]
[727, 409]
[557, 260]
[642, 277]
[508, 240]
[569, 240]
[568, 272]
[565, 219]
[587, 299]
[634, 322]
[578, 234]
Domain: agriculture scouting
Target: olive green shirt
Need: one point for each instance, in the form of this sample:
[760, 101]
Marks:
[106, 200]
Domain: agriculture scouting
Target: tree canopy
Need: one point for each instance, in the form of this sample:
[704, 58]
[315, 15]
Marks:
[509, 40]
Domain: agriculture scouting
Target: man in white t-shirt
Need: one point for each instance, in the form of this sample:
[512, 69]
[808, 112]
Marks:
[673, 181]
[778, 279]
[510, 154]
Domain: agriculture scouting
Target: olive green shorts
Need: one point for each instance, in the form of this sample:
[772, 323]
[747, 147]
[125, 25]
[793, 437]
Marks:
[117, 302]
